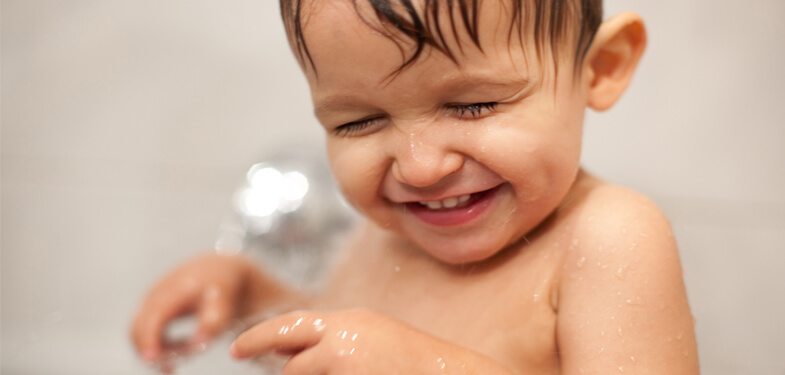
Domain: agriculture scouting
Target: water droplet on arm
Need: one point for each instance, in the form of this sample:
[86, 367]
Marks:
[620, 272]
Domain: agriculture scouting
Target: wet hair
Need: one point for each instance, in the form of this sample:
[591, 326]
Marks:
[551, 21]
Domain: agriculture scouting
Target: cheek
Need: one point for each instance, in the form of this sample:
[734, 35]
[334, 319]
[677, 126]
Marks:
[537, 155]
[358, 170]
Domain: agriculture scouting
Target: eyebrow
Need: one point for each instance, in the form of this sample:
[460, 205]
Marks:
[340, 102]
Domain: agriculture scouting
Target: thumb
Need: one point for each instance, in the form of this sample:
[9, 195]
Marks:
[215, 312]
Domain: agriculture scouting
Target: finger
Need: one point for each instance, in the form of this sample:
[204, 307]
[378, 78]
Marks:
[288, 332]
[215, 313]
[152, 319]
[305, 362]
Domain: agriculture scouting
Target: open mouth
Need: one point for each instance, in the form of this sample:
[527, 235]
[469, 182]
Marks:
[453, 210]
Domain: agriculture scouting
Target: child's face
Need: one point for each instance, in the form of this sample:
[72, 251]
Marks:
[515, 159]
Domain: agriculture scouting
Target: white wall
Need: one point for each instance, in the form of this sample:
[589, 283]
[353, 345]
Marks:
[127, 124]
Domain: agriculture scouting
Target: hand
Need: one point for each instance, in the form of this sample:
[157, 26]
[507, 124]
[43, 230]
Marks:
[357, 342]
[217, 288]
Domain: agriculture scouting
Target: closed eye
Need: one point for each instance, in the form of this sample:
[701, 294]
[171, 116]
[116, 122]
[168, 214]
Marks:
[355, 128]
[473, 109]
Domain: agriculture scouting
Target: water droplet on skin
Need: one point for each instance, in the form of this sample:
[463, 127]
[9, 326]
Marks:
[580, 262]
[397, 269]
[621, 369]
[620, 273]
[679, 336]
[636, 301]
[644, 235]
[575, 242]
[602, 333]
[632, 358]
[319, 325]
[536, 297]
[620, 332]
[686, 354]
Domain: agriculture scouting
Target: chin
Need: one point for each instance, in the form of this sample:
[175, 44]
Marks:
[460, 251]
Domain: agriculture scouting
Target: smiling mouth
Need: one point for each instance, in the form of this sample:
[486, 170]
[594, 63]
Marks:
[462, 201]
[452, 211]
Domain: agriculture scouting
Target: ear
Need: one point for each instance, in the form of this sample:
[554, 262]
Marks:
[612, 58]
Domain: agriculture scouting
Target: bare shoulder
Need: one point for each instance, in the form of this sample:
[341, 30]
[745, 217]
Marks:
[611, 216]
[620, 232]
[621, 296]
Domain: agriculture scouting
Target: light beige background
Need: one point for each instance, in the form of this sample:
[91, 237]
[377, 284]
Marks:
[127, 124]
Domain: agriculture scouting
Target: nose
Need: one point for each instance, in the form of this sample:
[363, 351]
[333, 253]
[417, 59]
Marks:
[423, 159]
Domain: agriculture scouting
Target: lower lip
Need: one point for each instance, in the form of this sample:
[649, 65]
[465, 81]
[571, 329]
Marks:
[455, 216]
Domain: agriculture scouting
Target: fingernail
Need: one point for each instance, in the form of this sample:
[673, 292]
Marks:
[149, 355]
[233, 351]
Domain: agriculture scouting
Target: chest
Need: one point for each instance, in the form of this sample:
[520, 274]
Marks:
[502, 309]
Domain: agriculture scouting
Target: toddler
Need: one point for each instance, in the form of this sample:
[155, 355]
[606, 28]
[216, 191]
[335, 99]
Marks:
[454, 127]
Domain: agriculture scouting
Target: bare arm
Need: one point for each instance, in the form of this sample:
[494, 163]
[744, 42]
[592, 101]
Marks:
[622, 302]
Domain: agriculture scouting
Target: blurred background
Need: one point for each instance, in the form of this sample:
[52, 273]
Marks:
[127, 126]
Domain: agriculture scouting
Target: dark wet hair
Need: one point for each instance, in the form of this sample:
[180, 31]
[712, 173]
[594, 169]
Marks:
[550, 20]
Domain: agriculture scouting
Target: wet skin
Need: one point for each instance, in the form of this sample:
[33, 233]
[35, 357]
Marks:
[546, 271]
[511, 283]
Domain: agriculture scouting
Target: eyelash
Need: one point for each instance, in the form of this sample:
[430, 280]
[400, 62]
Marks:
[356, 127]
[474, 109]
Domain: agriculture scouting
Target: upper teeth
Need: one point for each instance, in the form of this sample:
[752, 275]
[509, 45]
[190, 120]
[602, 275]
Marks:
[446, 203]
